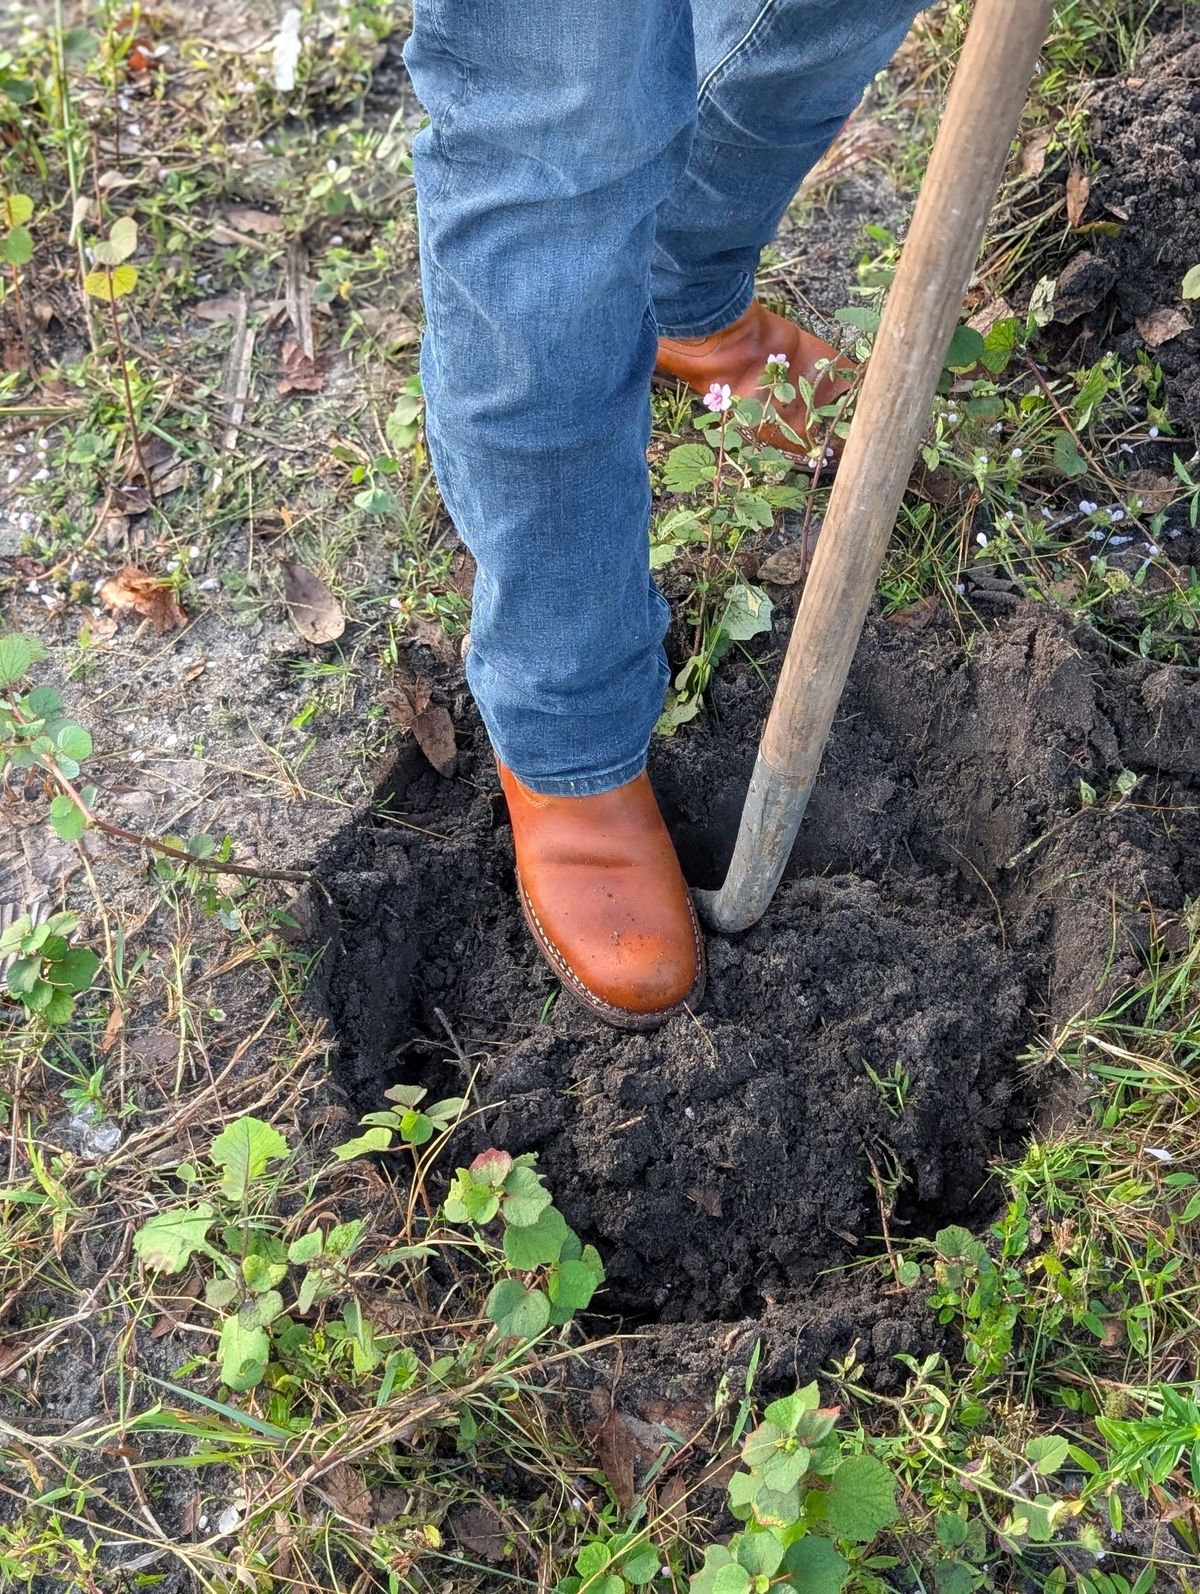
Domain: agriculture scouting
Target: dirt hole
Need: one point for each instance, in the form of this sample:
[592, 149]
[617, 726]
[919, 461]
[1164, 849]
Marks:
[950, 900]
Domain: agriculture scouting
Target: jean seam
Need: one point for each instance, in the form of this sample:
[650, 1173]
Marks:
[733, 308]
[745, 42]
[588, 785]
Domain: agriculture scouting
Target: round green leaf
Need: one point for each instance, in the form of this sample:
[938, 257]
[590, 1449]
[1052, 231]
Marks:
[17, 653]
[244, 1349]
[17, 208]
[121, 239]
[77, 970]
[525, 1197]
[73, 740]
[861, 1499]
[816, 1567]
[538, 1244]
[731, 1579]
[17, 248]
[517, 1312]
[23, 975]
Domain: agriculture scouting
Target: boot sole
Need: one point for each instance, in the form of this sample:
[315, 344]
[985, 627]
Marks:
[615, 1017]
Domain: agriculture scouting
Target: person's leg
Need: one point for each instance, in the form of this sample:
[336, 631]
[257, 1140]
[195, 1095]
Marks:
[557, 128]
[777, 80]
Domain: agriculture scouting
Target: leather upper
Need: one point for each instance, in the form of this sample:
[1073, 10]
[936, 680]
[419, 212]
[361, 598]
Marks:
[738, 355]
[606, 900]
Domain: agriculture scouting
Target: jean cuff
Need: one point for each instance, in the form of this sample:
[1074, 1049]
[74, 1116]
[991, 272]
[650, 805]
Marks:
[735, 306]
[588, 785]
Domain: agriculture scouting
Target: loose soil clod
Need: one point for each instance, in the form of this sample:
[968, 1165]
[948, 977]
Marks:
[951, 895]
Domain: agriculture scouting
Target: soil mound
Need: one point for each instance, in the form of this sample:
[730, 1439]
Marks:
[1145, 134]
[951, 895]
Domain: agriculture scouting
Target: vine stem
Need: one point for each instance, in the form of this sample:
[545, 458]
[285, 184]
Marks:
[138, 839]
[210, 866]
[121, 360]
[718, 483]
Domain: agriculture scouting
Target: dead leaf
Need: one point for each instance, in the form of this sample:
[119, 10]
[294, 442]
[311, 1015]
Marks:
[480, 1531]
[793, 561]
[153, 1049]
[918, 615]
[462, 573]
[300, 374]
[166, 469]
[1079, 187]
[1159, 326]
[135, 591]
[112, 530]
[616, 1450]
[114, 1026]
[347, 1492]
[1033, 156]
[707, 1200]
[413, 709]
[315, 612]
[258, 222]
[1154, 492]
[429, 634]
[222, 309]
[984, 320]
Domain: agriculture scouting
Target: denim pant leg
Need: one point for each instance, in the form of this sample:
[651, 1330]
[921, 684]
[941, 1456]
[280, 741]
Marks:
[777, 80]
[557, 128]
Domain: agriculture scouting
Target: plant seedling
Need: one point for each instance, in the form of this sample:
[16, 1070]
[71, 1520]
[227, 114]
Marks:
[47, 973]
[113, 278]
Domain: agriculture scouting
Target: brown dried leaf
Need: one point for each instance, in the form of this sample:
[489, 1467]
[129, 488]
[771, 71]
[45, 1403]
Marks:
[260, 223]
[480, 1531]
[114, 1026]
[792, 562]
[347, 1491]
[984, 320]
[166, 469]
[616, 1450]
[1159, 326]
[315, 612]
[434, 731]
[300, 374]
[135, 591]
[1079, 187]
[918, 615]
[432, 636]
[1033, 156]
[223, 309]
[432, 728]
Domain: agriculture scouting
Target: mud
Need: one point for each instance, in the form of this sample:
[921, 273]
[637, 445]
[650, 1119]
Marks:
[1145, 136]
[950, 898]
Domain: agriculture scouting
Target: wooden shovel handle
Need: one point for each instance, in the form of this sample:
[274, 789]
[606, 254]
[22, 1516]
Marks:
[893, 408]
[981, 118]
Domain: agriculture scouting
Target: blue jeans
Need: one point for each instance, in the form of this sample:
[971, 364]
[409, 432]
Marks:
[594, 173]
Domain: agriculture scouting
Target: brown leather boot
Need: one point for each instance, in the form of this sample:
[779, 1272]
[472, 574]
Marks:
[738, 356]
[606, 901]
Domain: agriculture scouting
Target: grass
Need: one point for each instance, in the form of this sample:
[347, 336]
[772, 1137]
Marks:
[359, 1376]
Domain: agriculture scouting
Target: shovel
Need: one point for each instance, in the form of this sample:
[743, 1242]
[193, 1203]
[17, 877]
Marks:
[922, 308]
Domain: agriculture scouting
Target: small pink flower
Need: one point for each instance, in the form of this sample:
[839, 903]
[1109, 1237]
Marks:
[781, 360]
[718, 397]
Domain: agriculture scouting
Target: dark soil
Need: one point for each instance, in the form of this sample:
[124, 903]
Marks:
[1145, 134]
[949, 898]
